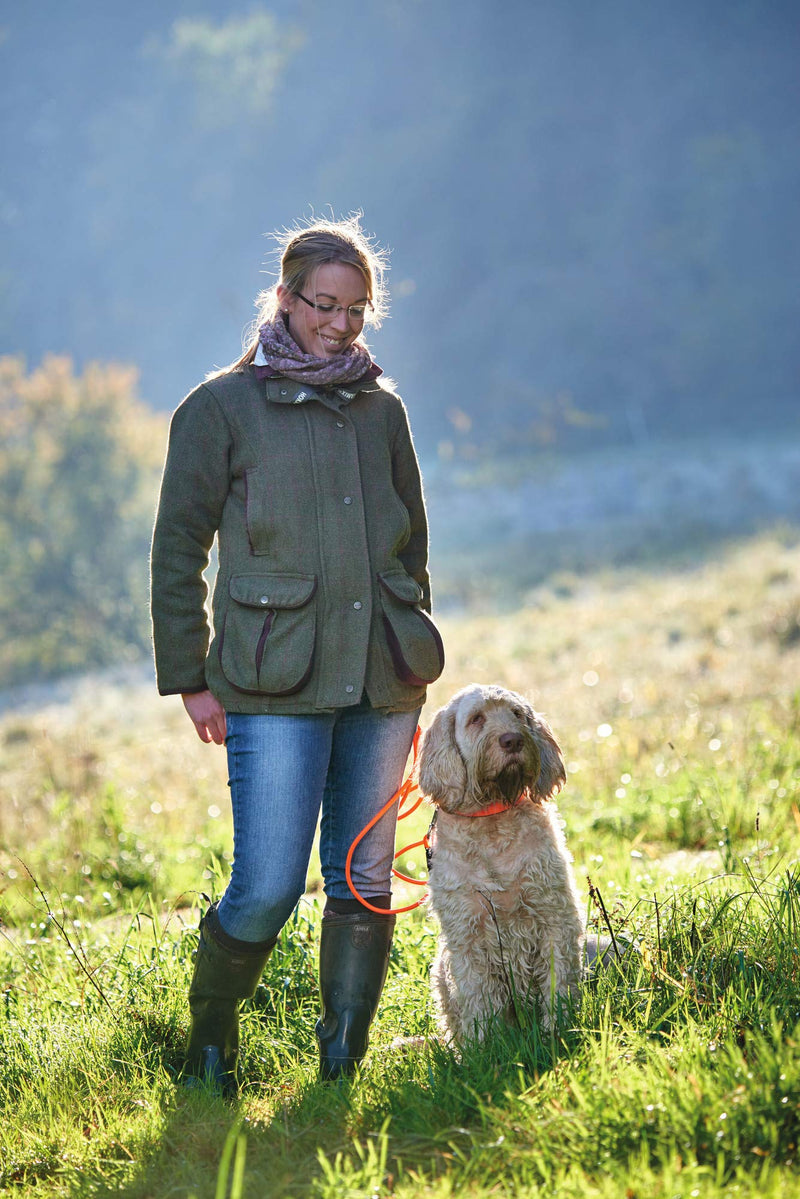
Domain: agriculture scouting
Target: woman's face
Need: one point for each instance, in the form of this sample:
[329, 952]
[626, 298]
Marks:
[335, 286]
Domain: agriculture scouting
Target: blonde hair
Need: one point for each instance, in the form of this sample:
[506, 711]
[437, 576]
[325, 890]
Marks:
[303, 249]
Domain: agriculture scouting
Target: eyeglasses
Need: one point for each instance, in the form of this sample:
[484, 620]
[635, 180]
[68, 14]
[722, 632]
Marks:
[356, 313]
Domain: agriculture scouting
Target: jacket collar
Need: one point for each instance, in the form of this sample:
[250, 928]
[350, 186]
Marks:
[281, 390]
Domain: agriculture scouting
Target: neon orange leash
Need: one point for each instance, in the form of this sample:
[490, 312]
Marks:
[401, 796]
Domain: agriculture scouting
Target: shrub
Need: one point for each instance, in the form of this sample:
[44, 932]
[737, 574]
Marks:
[79, 464]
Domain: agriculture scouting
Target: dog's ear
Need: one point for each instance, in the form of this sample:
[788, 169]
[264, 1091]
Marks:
[442, 773]
[552, 772]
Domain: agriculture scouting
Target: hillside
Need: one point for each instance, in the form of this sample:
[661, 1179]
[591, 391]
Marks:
[674, 695]
[674, 656]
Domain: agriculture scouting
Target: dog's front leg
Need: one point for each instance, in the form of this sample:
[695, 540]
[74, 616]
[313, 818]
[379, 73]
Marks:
[477, 990]
[556, 976]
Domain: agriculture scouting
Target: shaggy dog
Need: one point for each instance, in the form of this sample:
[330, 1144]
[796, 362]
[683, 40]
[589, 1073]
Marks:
[501, 879]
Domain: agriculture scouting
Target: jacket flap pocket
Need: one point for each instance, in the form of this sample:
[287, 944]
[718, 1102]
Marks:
[273, 591]
[401, 586]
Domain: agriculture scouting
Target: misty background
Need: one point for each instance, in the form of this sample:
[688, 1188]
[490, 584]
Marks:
[592, 209]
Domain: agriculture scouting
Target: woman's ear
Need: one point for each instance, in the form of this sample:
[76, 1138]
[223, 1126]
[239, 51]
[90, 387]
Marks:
[285, 298]
[442, 774]
[552, 772]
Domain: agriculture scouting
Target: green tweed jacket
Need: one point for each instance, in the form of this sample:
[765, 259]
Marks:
[322, 587]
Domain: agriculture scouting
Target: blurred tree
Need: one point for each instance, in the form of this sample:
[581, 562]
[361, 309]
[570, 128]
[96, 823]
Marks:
[228, 72]
[80, 457]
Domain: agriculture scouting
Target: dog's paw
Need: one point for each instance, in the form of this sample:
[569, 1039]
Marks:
[407, 1043]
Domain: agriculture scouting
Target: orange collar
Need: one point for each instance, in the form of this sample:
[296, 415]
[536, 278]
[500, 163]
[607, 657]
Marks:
[492, 809]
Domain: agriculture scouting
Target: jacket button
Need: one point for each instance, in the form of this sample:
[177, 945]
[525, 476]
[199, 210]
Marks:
[284, 391]
[265, 599]
[349, 688]
[348, 499]
[340, 424]
[357, 605]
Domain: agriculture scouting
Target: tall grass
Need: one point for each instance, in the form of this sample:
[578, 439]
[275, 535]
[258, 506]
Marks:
[679, 1075]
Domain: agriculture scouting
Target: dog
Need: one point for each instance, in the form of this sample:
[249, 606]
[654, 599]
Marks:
[501, 882]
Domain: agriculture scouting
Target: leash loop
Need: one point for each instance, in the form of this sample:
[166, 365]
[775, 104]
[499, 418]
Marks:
[401, 796]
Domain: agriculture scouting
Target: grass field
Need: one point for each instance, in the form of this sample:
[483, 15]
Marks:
[676, 697]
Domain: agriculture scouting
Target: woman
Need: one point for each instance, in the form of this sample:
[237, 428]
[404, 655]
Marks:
[299, 459]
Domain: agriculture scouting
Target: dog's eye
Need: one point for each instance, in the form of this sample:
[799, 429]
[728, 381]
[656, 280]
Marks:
[477, 719]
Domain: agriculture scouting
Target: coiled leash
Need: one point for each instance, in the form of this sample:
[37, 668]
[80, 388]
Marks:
[401, 796]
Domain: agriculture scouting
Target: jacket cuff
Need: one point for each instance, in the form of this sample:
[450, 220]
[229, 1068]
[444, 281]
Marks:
[182, 690]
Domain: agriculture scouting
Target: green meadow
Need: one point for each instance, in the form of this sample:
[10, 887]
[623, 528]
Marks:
[675, 695]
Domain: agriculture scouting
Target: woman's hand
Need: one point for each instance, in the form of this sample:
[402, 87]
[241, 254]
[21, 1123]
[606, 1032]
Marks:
[208, 716]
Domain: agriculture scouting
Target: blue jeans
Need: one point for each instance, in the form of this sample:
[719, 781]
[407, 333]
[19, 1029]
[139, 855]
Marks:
[283, 769]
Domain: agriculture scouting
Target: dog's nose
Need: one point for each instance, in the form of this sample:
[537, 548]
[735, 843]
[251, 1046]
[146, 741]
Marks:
[511, 742]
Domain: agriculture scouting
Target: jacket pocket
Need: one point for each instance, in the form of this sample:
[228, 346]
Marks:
[269, 633]
[414, 642]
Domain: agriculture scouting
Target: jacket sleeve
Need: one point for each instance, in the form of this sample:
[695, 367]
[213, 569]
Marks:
[408, 485]
[193, 492]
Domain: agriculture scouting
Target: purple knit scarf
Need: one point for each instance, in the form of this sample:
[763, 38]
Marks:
[284, 357]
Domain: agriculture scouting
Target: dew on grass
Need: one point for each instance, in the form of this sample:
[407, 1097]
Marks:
[591, 678]
[714, 744]
[604, 730]
[214, 812]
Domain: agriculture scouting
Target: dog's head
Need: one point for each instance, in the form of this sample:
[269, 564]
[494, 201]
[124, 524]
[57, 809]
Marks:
[488, 744]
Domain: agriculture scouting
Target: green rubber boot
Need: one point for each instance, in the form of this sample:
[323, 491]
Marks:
[225, 971]
[353, 960]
